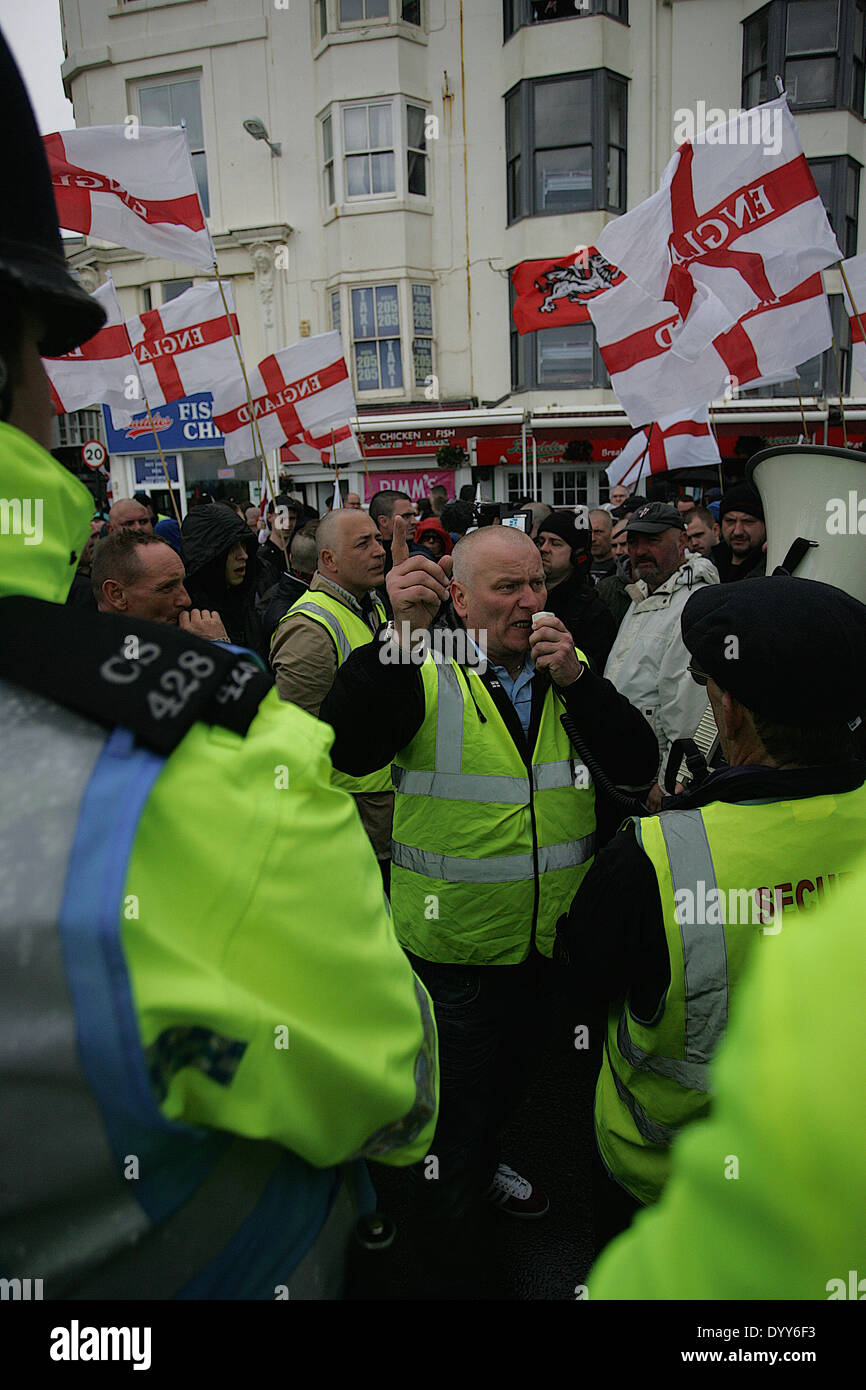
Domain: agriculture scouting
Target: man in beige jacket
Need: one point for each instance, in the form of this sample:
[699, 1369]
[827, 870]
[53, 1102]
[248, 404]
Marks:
[316, 635]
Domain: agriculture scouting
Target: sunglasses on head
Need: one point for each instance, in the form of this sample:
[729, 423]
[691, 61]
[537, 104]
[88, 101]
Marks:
[700, 677]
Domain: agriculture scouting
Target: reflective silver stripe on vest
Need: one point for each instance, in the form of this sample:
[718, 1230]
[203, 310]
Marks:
[693, 1075]
[449, 719]
[651, 1131]
[342, 641]
[460, 786]
[504, 868]
[705, 956]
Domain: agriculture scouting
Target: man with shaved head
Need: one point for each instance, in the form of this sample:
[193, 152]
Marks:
[494, 830]
[129, 515]
[338, 613]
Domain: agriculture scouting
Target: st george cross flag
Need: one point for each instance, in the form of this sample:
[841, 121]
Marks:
[186, 346]
[855, 270]
[137, 192]
[736, 222]
[676, 441]
[300, 389]
[337, 446]
[549, 293]
[637, 337]
[102, 370]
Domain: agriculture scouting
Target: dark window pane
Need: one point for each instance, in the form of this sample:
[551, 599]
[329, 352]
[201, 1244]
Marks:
[553, 9]
[563, 180]
[811, 81]
[357, 175]
[335, 310]
[615, 164]
[756, 42]
[172, 289]
[415, 118]
[813, 26]
[376, 9]
[823, 175]
[199, 168]
[563, 112]
[327, 139]
[329, 184]
[412, 11]
[363, 323]
[755, 89]
[857, 88]
[851, 191]
[418, 174]
[367, 366]
[515, 195]
[391, 364]
[616, 114]
[351, 9]
[323, 18]
[859, 31]
[512, 125]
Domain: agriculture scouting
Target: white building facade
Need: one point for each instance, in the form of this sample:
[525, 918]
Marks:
[417, 150]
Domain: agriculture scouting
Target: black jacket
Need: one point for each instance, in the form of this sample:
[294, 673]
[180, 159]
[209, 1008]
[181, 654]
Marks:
[614, 933]
[274, 604]
[270, 566]
[754, 565]
[376, 709]
[590, 622]
[208, 533]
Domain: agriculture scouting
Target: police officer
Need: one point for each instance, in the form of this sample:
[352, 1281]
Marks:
[688, 894]
[194, 1034]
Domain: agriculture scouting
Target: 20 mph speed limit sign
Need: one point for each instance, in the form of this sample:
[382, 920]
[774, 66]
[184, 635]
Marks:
[94, 453]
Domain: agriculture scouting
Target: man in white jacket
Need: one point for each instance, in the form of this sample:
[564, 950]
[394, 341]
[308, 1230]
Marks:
[649, 662]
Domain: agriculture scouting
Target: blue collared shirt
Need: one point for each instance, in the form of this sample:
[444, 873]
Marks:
[518, 689]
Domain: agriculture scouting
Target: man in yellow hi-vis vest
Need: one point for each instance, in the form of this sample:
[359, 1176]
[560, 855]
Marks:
[690, 894]
[494, 828]
[339, 612]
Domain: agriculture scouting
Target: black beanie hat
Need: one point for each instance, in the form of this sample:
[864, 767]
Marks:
[31, 251]
[742, 497]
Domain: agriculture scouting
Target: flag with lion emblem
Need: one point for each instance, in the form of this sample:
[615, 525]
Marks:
[551, 293]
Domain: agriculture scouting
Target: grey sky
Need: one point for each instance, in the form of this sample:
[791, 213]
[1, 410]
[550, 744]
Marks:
[32, 30]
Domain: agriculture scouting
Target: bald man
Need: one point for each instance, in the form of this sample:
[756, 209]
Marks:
[494, 830]
[129, 515]
[338, 613]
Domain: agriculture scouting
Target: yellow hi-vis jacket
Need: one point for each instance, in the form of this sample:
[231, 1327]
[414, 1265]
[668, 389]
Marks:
[487, 852]
[728, 876]
[348, 632]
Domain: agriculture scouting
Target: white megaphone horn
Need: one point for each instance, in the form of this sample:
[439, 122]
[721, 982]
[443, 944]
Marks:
[815, 511]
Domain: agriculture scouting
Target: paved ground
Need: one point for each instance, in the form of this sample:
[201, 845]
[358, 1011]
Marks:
[550, 1142]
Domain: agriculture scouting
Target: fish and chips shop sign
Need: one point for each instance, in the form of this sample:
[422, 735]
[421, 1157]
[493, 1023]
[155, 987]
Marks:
[181, 425]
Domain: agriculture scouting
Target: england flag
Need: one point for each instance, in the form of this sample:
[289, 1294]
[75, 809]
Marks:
[100, 371]
[676, 441]
[186, 346]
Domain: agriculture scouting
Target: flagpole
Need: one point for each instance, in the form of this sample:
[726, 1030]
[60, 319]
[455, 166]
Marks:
[839, 389]
[363, 450]
[622, 482]
[716, 438]
[802, 409]
[161, 458]
[253, 418]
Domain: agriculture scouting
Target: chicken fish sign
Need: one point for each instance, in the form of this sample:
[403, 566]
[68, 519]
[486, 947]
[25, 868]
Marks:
[735, 223]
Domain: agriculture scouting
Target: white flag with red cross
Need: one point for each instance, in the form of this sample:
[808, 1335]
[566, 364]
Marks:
[337, 446]
[299, 393]
[100, 371]
[133, 185]
[676, 441]
[186, 346]
[637, 338]
[737, 222]
[855, 307]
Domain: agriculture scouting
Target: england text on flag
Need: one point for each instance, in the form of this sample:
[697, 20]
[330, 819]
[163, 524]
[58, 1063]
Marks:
[139, 193]
[637, 337]
[102, 370]
[550, 293]
[855, 271]
[733, 225]
[676, 441]
[186, 346]
[301, 388]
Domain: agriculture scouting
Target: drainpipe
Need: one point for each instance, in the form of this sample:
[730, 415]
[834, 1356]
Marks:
[466, 208]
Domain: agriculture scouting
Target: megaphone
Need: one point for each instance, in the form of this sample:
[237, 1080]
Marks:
[811, 495]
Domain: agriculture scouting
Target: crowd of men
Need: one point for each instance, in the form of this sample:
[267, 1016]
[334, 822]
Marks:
[219, 1010]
